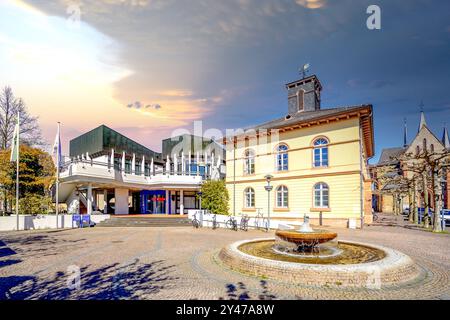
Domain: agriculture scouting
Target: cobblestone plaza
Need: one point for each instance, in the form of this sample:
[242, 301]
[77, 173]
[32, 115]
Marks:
[181, 263]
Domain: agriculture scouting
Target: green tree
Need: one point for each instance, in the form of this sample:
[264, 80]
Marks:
[215, 197]
[33, 203]
[36, 175]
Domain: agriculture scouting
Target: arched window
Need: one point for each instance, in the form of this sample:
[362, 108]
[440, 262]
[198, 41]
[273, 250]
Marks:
[417, 150]
[432, 148]
[321, 152]
[321, 195]
[282, 157]
[282, 197]
[424, 145]
[249, 162]
[249, 194]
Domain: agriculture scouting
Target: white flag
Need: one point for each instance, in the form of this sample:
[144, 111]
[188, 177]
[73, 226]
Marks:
[15, 143]
[57, 148]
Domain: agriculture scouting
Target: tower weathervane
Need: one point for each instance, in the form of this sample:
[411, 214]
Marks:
[304, 70]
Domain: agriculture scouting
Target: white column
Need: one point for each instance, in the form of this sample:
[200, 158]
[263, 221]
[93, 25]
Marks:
[123, 161]
[198, 162]
[168, 165]
[189, 163]
[89, 199]
[143, 166]
[183, 163]
[181, 202]
[112, 158]
[175, 164]
[167, 201]
[152, 168]
[133, 164]
[121, 196]
[105, 201]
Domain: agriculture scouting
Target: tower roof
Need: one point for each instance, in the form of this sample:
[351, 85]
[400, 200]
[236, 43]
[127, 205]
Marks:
[405, 134]
[422, 120]
[445, 140]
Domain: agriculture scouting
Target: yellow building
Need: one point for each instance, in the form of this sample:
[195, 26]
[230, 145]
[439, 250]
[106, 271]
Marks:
[317, 158]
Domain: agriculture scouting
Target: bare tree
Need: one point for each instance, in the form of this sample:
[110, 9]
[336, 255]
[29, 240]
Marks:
[429, 166]
[417, 176]
[30, 132]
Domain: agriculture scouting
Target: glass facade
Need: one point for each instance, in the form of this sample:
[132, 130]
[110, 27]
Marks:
[153, 201]
[102, 139]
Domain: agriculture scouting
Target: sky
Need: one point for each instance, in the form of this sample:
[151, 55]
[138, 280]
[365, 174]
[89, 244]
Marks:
[147, 68]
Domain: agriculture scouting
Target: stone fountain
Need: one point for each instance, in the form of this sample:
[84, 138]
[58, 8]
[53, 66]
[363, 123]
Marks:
[310, 257]
[306, 238]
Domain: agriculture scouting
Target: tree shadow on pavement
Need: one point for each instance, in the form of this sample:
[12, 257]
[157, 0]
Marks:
[135, 280]
[240, 292]
[40, 244]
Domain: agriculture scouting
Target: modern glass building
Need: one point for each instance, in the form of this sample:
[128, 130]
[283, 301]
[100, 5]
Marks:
[110, 173]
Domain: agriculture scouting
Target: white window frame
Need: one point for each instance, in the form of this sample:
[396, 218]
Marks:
[249, 162]
[282, 196]
[321, 187]
[320, 148]
[249, 194]
[279, 158]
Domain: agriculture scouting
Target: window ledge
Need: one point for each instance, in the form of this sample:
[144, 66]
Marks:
[320, 209]
[281, 209]
[249, 209]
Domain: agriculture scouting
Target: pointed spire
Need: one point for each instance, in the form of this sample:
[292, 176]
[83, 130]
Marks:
[445, 139]
[422, 117]
[405, 133]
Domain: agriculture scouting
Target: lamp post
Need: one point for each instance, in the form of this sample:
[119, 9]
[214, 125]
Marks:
[443, 183]
[200, 199]
[268, 188]
[200, 204]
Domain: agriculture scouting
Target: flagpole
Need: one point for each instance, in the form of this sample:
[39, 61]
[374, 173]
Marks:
[57, 178]
[17, 171]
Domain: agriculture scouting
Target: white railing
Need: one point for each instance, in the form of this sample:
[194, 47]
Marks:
[101, 170]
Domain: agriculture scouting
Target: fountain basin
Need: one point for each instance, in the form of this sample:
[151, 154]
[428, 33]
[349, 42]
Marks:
[306, 238]
[391, 269]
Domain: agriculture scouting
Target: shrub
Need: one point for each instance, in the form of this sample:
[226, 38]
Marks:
[215, 197]
[35, 204]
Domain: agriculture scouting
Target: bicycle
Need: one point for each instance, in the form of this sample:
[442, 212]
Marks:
[195, 222]
[232, 224]
[375, 216]
[261, 222]
[265, 225]
[215, 224]
[244, 222]
[258, 219]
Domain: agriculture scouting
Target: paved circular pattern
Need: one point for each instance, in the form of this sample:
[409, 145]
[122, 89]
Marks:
[182, 263]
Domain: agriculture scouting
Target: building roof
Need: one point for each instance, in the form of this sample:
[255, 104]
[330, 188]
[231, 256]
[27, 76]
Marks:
[322, 116]
[445, 139]
[193, 145]
[388, 154]
[102, 139]
[303, 117]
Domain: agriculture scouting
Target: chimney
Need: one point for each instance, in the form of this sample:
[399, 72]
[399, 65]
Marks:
[304, 95]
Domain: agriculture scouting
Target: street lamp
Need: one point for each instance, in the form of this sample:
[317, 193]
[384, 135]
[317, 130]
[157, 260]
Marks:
[200, 199]
[200, 203]
[268, 188]
[443, 182]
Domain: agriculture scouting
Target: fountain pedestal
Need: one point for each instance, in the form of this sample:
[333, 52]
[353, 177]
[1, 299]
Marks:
[306, 238]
